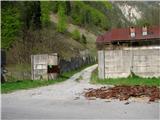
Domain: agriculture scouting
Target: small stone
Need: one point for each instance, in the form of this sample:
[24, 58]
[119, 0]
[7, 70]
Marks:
[76, 98]
[126, 103]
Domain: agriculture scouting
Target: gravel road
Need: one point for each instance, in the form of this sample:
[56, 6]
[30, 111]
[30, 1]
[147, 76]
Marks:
[65, 101]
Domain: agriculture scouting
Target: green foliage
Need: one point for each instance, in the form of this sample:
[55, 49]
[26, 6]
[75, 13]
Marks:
[45, 12]
[31, 13]
[26, 84]
[36, 24]
[18, 17]
[68, 7]
[76, 15]
[83, 14]
[107, 4]
[114, 16]
[22, 16]
[76, 35]
[55, 6]
[10, 24]
[65, 4]
[142, 22]
[62, 25]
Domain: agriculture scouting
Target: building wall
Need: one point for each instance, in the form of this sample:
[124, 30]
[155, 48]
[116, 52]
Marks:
[39, 65]
[143, 61]
[101, 66]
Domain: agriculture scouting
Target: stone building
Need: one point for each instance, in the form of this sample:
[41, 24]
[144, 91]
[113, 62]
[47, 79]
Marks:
[126, 50]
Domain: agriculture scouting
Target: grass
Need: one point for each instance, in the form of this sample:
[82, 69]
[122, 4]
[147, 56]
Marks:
[18, 67]
[27, 84]
[14, 70]
[135, 80]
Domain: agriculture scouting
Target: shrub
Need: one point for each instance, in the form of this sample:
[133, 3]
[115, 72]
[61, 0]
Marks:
[76, 35]
[62, 25]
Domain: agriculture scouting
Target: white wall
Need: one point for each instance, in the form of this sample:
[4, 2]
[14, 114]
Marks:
[101, 66]
[118, 63]
[39, 64]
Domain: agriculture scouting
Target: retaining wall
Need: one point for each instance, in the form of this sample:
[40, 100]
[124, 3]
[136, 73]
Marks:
[143, 61]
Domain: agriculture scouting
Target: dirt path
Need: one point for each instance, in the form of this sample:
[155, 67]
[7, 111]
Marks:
[67, 90]
[63, 101]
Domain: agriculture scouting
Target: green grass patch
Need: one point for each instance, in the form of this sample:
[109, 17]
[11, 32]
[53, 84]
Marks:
[18, 67]
[27, 84]
[134, 80]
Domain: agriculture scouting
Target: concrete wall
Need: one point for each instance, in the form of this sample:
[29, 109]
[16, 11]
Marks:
[101, 64]
[143, 61]
[39, 64]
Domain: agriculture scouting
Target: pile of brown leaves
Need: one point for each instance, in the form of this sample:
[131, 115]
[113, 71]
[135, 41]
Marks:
[124, 92]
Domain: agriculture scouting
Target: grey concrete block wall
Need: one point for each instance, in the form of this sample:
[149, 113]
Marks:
[101, 62]
[39, 66]
[116, 63]
[146, 62]
[143, 61]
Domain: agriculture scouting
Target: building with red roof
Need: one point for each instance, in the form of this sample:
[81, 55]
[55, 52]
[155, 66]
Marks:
[129, 50]
[123, 34]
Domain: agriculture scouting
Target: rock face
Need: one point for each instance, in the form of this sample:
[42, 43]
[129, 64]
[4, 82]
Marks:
[124, 92]
[131, 13]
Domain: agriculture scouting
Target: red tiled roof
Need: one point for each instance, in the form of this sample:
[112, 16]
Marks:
[123, 34]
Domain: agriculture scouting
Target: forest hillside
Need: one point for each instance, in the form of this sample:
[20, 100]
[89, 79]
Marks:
[66, 27]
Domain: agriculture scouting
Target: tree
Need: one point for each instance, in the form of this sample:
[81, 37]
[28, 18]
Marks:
[55, 6]
[30, 14]
[18, 17]
[68, 7]
[76, 15]
[45, 11]
[10, 23]
[36, 15]
[62, 25]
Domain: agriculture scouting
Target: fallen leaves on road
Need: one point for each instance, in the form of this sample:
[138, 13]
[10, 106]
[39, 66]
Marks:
[124, 92]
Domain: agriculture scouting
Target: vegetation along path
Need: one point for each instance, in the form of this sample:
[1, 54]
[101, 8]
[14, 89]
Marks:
[64, 101]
